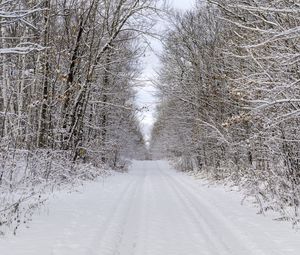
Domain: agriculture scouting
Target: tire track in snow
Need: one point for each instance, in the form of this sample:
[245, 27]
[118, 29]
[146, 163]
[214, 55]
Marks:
[114, 230]
[215, 246]
[64, 244]
[159, 226]
[168, 230]
[129, 236]
[215, 221]
[192, 189]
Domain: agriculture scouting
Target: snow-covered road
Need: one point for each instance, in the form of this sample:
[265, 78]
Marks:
[153, 210]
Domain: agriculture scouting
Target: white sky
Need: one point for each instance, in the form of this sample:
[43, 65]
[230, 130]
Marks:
[145, 94]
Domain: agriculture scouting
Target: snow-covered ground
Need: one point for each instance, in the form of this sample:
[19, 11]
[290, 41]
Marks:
[153, 210]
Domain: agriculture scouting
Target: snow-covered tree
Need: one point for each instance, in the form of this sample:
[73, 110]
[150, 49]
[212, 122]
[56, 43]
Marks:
[230, 96]
[67, 76]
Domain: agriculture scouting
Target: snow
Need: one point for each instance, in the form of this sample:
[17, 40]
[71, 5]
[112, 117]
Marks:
[152, 210]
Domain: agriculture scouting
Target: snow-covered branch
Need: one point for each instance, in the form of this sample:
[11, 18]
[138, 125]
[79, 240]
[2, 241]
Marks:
[22, 49]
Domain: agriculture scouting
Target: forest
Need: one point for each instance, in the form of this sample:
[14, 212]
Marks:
[230, 99]
[67, 77]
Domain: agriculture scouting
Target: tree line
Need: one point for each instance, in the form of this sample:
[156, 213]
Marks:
[67, 76]
[230, 98]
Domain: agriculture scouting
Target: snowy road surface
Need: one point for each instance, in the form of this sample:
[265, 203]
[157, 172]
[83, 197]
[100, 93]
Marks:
[153, 210]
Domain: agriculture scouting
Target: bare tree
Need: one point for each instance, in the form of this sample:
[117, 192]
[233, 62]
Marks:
[230, 97]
